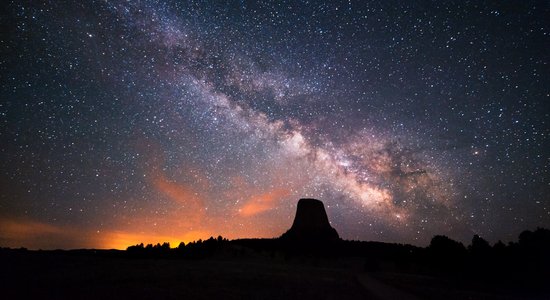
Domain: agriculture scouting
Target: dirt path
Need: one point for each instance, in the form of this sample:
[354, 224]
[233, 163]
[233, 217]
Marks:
[382, 290]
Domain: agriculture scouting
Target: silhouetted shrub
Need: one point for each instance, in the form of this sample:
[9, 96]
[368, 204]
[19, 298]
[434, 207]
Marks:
[446, 254]
[499, 246]
[533, 250]
[479, 246]
[539, 240]
[443, 245]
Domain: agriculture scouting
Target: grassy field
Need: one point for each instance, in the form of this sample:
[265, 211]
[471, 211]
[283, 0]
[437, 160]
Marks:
[113, 275]
[62, 276]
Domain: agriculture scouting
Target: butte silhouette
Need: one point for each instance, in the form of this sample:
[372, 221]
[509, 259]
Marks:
[310, 224]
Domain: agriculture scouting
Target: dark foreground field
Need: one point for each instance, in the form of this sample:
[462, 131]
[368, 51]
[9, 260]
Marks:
[112, 275]
[63, 276]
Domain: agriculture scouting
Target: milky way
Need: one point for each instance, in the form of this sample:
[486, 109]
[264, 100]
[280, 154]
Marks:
[151, 121]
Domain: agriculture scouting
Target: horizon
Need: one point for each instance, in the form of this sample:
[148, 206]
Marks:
[127, 122]
[175, 243]
[123, 244]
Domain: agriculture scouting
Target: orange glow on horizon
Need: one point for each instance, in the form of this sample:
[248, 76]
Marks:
[187, 219]
[38, 235]
[121, 240]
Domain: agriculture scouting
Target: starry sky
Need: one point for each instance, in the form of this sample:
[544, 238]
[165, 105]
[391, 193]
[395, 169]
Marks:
[149, 121]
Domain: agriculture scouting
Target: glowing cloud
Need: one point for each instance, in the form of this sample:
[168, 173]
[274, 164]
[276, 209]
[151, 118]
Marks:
[263, 202]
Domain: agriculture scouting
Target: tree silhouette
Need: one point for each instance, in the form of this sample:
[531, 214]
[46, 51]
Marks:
[441, 244]
[479, 246]
[446, 254]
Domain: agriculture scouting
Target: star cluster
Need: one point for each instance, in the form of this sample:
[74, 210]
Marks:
[151, 121]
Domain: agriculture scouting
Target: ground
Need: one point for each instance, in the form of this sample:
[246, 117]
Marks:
[64, 275]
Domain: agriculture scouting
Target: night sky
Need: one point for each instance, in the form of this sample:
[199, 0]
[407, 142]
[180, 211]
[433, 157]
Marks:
[149, 121]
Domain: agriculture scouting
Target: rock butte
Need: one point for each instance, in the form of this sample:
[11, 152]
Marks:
[310, 223]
